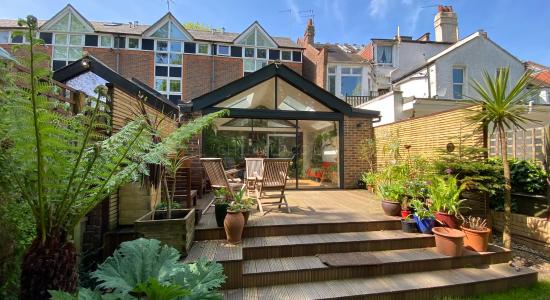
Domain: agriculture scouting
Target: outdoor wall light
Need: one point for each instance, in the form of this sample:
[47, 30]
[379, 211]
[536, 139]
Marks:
[85, 63]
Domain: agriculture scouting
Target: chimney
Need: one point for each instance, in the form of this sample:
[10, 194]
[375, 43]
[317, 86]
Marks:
[309, 35]
[446, 25]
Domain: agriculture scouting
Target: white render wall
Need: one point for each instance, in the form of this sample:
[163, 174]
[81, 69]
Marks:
[412, 55]
[415, 87]
[477, 55]
[389, 105]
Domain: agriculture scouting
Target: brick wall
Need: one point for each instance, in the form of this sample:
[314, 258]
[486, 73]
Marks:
[428, 135]
[355, 130]
[314, 64]
[197, 74]
[20, 53]
[131, 63]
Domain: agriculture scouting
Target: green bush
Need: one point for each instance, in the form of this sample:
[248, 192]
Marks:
[527, 177]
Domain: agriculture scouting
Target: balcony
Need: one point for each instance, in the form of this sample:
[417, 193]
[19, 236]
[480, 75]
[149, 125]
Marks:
[358, 100]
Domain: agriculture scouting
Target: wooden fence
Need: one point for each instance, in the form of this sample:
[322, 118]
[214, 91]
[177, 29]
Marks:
[531, 231]
[522, 144]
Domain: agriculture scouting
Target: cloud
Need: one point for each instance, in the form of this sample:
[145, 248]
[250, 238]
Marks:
[407, 2]
[337, 12]
[378, 8]
[412, 20]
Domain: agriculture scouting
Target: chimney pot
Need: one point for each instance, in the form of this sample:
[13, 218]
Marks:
[309, 34]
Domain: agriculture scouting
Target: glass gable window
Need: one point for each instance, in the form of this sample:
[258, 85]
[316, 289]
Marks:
[261, 96]
[290, 98]
[458, 82]
[256, 38]
[68, 39]
[168, 58]
[384, 54]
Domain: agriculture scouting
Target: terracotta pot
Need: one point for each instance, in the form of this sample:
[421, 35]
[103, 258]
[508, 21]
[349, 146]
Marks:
[370, 188]
[391, 208]
[220, 211]
[447, 220]
[408, 225]
[246, 215]
[234, 225]
[449, 241]
[405, 213]
[476, 240]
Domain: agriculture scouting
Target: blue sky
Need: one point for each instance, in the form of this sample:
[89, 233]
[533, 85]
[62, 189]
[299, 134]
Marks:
[521, 27]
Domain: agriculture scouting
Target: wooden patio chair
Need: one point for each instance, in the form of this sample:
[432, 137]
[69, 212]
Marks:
[184, 193]
[254, 171]
[218, 178]
[274, 178]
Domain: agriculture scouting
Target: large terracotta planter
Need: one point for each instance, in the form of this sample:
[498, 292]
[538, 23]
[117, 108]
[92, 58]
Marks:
[447, 220]
[476, 240]
[177, 232]
[220, 210]
[234, 225]
[391, 208]
[449, 241]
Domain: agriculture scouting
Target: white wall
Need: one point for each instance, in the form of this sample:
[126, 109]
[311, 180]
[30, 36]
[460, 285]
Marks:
[365, 77]
[412, 55]
[476, 56]
[389, 105]
[417, 87]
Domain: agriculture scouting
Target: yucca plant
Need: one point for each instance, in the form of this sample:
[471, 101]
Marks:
[444, 192]
[503, 106]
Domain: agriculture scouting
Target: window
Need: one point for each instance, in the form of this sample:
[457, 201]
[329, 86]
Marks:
[458, 82]
[67, 47]
[345, 80]
[253, 65]
[106, 41]
[4, 37]
[203, 49]
[384, 54]
[261, 53]
[286, 55]
[168, 61]
[331, 82]
[223, 50]
[133, 43]
[17, 38]
[248, 52]
[350, 81]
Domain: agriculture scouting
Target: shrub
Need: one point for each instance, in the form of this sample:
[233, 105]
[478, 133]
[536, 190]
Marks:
[527, 177]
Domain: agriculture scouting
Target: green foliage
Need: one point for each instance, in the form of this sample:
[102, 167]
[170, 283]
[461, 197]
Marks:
[196, 26]
[527, 177]
[145, 268]
[420, 209]
[444, 191]
[241, 203]
[368, 178]
[539, 291]
[391, 191]
[367, 153]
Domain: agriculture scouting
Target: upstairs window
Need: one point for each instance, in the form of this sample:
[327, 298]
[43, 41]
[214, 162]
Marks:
[223, 50]
[170, 30]
[331, 82]
[106, 41]
[384, 54]
[133, 43]
[458, 82]
[203, 49]
[350, 81]
[4, 37]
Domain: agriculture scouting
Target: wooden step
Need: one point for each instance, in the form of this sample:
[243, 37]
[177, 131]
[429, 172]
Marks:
[412, 286]
[254, 229]
[287, 270]
[312, 244]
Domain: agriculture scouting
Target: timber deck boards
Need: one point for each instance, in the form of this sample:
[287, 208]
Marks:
[217, 250]
[421, 285]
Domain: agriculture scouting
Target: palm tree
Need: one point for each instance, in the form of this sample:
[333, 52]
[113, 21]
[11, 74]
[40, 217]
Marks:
[64, 165]
[503, 105]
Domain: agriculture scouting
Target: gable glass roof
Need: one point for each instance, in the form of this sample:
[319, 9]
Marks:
[170, 31]
[262, 96]
[69, 23]
[257, 38]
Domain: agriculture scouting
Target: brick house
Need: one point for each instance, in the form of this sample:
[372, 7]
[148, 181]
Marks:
[180, 63]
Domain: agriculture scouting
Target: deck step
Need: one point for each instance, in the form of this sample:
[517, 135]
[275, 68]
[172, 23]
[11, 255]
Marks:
[420, 285]
[286, 270]
[259, 228]
[312, 244]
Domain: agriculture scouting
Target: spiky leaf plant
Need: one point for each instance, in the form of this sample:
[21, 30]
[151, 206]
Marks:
[503, 106]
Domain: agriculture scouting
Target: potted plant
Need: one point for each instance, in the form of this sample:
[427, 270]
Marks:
[392, 195]
[449, 241]
[405, 209]
[221, 203]
[369, 179]
[424, 217]
[444, 193]
[476, 233]
[246, 204]
[408, 224]
[234, 222]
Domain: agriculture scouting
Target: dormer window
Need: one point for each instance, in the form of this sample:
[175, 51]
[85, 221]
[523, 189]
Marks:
[384, 54]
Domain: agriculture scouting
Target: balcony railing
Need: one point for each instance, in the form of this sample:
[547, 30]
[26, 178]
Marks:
[358, 100]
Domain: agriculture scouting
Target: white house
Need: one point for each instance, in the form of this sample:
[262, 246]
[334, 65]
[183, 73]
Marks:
[444, 77]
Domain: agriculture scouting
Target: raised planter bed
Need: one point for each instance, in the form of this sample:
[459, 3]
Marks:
[532, 231]
[531, 204]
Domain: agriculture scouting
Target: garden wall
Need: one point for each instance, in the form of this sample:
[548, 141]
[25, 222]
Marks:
[427, 136]
[531, 231]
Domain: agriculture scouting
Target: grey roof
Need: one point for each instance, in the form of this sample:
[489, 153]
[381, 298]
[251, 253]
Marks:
[343, 52]
[126, 28]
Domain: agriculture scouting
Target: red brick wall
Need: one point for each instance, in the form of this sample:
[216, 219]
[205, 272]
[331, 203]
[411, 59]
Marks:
[131, 63]
[296, 67]
[9, 48]
[314, 64]
[197, 76]
[355, 130]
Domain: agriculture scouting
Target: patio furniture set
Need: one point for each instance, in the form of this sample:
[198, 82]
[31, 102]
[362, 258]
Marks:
[262, 176]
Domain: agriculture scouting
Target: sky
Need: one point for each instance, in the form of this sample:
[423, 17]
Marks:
[520, 26]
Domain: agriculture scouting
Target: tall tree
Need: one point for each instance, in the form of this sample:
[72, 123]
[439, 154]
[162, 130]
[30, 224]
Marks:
[503, 106]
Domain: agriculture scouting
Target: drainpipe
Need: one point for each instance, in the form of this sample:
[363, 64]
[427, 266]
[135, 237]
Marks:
[429, 82]
[117, 51]
[213, 70]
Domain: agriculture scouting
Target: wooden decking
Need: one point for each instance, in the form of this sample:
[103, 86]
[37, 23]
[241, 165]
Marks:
[339, 244]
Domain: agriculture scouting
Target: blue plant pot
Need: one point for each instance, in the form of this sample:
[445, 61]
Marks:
[425, 225]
